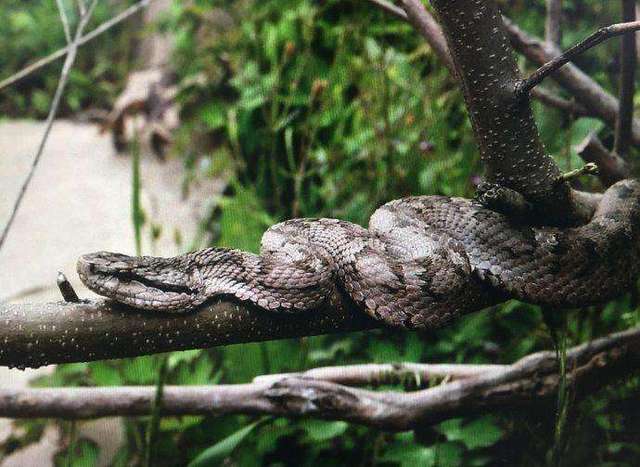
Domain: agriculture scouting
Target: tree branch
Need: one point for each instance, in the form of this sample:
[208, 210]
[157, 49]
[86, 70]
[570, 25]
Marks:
[612, 167]
[532, 381]
[590, 94]
[553, 100]
[504, 127]
[553, 29]
[628, 62]
[33, 335]
[376, 374]
[423, 22]
[594, 39]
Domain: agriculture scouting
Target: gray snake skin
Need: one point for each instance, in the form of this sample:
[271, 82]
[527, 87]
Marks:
[423, 261]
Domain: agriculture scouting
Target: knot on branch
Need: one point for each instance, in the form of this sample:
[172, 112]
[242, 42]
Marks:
[307, 396]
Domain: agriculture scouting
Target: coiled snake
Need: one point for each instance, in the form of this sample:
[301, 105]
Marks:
[422, 261]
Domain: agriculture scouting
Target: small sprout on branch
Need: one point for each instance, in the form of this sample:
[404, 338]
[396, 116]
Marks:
[587, 169]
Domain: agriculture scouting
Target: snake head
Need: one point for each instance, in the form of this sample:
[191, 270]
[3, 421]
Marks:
[148, 283]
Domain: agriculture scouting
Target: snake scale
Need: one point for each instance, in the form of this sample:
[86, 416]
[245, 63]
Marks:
[421, 262]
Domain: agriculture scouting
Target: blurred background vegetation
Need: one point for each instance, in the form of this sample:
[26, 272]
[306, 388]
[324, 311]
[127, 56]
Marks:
[326, 108]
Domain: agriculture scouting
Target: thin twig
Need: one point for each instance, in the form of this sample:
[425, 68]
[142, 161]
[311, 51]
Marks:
[62, 82]
[82, 7]
[628, 62]
[64, 20]
[553, 30]
[390, 8]
[83, 40]
[429, 28]
[594, 39]
[424, 23]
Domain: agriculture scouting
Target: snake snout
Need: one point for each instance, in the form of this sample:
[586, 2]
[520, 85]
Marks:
[141, 282]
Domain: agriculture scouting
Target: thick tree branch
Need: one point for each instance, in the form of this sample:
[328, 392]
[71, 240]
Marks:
[590, 94]
[559, 61]
[504, 127]
[33, 335]
[532, 381]
[628, 62]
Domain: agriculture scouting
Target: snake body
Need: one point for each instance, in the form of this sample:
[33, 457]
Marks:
[421, 262]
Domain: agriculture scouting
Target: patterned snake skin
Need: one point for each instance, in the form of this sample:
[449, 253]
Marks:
[423, 261]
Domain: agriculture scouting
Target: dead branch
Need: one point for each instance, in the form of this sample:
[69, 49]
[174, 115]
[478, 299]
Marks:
[532, 381]
[376, 374]
[628, 60]
[33, 335]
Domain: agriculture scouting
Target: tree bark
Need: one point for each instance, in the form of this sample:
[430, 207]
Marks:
[33, 335]
[503, 123]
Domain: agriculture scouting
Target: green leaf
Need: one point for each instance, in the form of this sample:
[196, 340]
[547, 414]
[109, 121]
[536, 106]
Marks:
[213, 455]
[481, 433]
[214, 115]
[319, 430]
[407, 453]
[449, 454]
[105, 374]
[186, 356]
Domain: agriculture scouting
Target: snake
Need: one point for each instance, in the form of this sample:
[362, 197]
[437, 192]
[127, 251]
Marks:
[422, 262]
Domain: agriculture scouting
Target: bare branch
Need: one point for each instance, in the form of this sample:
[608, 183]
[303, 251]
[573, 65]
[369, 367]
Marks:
[596, 38]
[374, 374]
[33, 335]
[553, 30]
[133, 9]
[553, 100]
[628, 60]
[590, 94]
[612, 167]
[390, 8]
[64, 20]
[62, 82]
[532, 381]
[430, 30]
